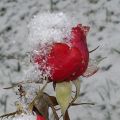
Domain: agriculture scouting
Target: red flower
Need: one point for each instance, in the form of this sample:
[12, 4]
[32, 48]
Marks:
[39, 117]
[67, 61]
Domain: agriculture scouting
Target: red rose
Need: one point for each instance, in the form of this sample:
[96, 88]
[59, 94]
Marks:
[39, 117]
[67, 61]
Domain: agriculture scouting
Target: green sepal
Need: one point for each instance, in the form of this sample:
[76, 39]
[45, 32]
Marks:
[63, 95]
[77, 85]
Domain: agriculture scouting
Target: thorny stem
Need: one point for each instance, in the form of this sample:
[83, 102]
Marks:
[49, 102]
[66, 116]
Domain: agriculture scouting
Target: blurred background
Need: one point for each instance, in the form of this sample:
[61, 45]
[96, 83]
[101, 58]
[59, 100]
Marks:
[103, 17]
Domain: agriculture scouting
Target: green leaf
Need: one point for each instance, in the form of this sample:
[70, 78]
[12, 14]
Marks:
[63, 95]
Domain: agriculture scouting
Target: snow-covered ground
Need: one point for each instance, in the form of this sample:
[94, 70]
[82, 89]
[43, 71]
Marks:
[103, 17]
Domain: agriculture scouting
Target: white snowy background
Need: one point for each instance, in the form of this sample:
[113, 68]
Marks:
[103, 17]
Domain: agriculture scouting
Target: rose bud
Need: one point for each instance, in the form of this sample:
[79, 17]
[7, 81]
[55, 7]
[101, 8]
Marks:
[67, 61]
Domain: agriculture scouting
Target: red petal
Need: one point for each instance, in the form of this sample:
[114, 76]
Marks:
[39, 117]
[79, 40]
[64, 61]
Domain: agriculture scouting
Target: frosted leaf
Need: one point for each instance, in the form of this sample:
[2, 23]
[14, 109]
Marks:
[48, 28]
[25, 117]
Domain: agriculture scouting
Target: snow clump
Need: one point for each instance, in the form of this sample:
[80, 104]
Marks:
[47, 28]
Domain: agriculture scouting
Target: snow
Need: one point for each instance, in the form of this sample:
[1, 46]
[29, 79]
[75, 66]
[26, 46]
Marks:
[47, 28]
[34, 73]
[103, 18]
[30, 93]
[25, 117]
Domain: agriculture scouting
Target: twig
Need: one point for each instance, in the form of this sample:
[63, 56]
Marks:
[93, 49]
[75, 104]
[10, 114]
